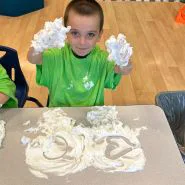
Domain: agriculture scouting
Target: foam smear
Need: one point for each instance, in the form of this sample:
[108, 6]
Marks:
[61, 146]
[2, 131]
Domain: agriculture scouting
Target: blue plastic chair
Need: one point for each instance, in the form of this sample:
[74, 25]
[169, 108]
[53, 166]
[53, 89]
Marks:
[10, 61]
[19, 7]
[173, 105]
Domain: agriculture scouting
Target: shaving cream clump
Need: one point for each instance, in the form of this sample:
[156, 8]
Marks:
[52, 36]
[119, 50]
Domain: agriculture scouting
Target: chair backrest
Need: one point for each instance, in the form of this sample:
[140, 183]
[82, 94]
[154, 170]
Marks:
[10, 61]
[173, 105]
[19, 7]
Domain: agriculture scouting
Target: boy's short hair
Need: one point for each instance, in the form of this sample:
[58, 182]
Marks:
[84, 7]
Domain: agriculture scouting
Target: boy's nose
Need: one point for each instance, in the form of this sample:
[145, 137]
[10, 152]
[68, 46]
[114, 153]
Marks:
[82, 40]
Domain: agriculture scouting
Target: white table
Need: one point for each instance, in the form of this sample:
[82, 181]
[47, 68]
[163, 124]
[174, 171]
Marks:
[164, 165]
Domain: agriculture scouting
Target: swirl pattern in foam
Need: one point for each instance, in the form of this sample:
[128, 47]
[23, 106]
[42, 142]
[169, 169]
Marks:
[62, 146]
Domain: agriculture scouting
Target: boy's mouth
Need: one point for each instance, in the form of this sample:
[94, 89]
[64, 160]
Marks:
[82, 48]
[81, 51]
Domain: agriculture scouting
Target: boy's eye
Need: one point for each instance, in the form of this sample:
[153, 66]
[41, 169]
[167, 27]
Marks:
[75, 34]
[91, 35]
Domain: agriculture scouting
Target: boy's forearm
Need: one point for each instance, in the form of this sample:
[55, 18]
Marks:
[123, 71]
[32, 58]
[3, 98]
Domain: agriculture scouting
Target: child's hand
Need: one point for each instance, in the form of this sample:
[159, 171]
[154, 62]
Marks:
[123, 70]
[119, 50]
[53, 35]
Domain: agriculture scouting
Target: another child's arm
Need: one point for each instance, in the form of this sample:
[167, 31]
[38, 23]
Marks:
[34, 58]
[3, 98]
[7, 90]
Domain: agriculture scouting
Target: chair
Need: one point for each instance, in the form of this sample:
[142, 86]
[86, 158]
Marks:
[173, 105]
[10, 61]
[47, 104]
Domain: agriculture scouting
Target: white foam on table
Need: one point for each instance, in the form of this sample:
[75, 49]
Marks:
[61, 146]
[2, 131]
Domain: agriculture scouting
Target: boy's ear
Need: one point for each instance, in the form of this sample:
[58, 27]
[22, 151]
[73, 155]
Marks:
[100, 34]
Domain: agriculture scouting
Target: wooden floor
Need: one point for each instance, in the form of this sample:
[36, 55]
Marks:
[158, 42]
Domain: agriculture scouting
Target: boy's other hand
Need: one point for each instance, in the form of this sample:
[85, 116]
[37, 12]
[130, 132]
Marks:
[123, 70]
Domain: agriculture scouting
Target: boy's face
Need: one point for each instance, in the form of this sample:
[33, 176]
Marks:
[84, 33]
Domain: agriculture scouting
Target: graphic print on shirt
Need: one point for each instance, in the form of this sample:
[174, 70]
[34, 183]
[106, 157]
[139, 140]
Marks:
[87, 84]
[70, 85]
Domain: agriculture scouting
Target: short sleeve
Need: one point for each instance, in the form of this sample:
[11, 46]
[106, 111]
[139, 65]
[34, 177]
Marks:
[112, 79]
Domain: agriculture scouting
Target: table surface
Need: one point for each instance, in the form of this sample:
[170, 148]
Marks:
[164, 165]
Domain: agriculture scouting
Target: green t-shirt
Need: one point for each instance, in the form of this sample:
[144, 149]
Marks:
[74, 81]
[8, 88]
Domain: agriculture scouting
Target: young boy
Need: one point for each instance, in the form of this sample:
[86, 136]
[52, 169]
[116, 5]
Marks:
[7, 90]
[77, 74]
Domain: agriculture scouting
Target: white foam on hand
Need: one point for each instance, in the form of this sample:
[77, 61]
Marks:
[52, 36]
[119, 50]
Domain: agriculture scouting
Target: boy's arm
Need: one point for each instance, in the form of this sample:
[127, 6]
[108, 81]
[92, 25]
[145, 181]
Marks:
[34, 58]
[123, 70]
[3, 98]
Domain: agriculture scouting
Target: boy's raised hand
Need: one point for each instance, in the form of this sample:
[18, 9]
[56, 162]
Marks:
[120, 52]
[52, 36]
